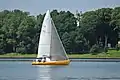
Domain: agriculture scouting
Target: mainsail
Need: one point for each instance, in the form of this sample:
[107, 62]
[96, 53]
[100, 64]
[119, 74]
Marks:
[50, 43]
[45, 37]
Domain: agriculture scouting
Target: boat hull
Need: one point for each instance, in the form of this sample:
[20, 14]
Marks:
[64, 62]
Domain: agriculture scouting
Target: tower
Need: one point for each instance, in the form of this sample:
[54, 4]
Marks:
[78, 16]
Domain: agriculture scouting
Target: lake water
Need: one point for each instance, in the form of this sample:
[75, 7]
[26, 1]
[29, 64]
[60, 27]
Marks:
[17, 70]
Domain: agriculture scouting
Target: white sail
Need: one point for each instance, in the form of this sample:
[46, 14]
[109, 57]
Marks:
[57, 50]
[50, 43]
[45, 37]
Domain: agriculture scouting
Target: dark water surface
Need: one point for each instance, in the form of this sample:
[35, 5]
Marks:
[10, 70]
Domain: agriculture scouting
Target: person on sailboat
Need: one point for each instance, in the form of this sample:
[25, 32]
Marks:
[39, 60]
[45, 58]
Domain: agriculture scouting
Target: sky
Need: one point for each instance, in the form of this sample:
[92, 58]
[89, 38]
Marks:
[36, 7]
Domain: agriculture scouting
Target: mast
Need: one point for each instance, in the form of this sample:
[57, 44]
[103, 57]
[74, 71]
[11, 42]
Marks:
[50, 43]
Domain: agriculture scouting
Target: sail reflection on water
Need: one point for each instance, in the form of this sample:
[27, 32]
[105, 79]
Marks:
[44, 72]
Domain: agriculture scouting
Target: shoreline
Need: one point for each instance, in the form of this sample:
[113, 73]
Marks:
[69, 58]
[30, 59]
[110, 56]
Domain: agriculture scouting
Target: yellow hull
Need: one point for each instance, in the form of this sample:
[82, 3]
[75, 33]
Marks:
[64, 62]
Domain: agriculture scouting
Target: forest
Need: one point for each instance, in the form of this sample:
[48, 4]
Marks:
[86, 32]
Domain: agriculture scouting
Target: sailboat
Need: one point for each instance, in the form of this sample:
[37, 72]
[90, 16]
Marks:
[50, 49]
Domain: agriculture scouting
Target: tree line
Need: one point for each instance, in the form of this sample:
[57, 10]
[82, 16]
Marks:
[87, 32]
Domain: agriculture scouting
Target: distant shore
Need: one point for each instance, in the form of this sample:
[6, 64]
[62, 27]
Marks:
[111, 54]
[30, 59]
